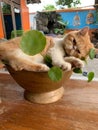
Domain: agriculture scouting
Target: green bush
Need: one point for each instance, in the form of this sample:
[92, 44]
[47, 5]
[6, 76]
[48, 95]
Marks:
[16, 33]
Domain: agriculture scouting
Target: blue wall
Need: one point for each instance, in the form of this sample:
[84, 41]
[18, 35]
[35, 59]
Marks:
[69, 16]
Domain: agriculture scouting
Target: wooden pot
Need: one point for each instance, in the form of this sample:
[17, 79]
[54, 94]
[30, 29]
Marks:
[39, 88]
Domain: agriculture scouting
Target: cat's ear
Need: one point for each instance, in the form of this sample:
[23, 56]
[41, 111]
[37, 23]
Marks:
[84, 31]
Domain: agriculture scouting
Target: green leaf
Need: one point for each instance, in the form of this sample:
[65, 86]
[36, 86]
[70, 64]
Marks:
[77, 70]
[55, 73]
[92, 53]
[32, 42]
[61, 22]
[84, 59]
[90, 76]
[48, 61]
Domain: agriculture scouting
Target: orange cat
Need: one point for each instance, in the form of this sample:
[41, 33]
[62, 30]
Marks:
[65, 52]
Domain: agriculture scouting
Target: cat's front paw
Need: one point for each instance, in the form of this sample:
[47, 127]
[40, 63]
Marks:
[75, 62]
[16, 66]
[37, 67]
[42, 68]
[66, 66]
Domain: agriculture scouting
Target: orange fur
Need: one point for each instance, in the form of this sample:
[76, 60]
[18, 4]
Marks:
[78, 43]
[65, 52]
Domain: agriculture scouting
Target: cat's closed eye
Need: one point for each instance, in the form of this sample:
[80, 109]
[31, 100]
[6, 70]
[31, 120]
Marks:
[75, 46]
[74, 42]
[78, 50]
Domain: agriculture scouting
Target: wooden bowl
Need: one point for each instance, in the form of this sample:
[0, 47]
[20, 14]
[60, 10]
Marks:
[39, 88]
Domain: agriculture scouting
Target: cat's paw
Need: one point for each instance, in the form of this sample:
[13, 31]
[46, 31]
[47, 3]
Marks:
[75, 62]
[42, 68]
[65, 66]
[16, 66]
[78, 63]
[29, 66]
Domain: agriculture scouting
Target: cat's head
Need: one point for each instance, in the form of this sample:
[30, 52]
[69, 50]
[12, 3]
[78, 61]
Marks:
[77, 43]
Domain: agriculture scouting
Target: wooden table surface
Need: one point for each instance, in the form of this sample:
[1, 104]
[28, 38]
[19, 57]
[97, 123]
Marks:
[77, 110]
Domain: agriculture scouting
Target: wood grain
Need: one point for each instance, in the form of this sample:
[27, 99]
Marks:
[39, 88]
[77, 109]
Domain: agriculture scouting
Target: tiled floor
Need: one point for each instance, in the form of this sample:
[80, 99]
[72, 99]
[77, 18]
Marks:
[92, 65]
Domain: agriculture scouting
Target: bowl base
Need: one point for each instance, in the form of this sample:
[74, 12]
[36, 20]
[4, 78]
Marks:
[46, 97]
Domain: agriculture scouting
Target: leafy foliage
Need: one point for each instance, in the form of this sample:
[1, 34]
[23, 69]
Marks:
[32, 42]
[6, 8]
[49, 7]
[92, 53]
[17, 32]
[77, 70]
[90, 76]
[55, 73]
[69, 3]
[62, 29]
[48, 61]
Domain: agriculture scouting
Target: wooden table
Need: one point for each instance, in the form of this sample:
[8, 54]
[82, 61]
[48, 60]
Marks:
[77, 110]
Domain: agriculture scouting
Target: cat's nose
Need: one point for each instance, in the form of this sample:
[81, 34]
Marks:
[74, 47]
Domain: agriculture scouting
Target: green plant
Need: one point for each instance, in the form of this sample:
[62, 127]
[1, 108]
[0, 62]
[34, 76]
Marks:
[17, 33]
[6, 8]
[69, 3]
[89, 75]
[49, 7]
[62, 28]
[33, 42]
[36, 43]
